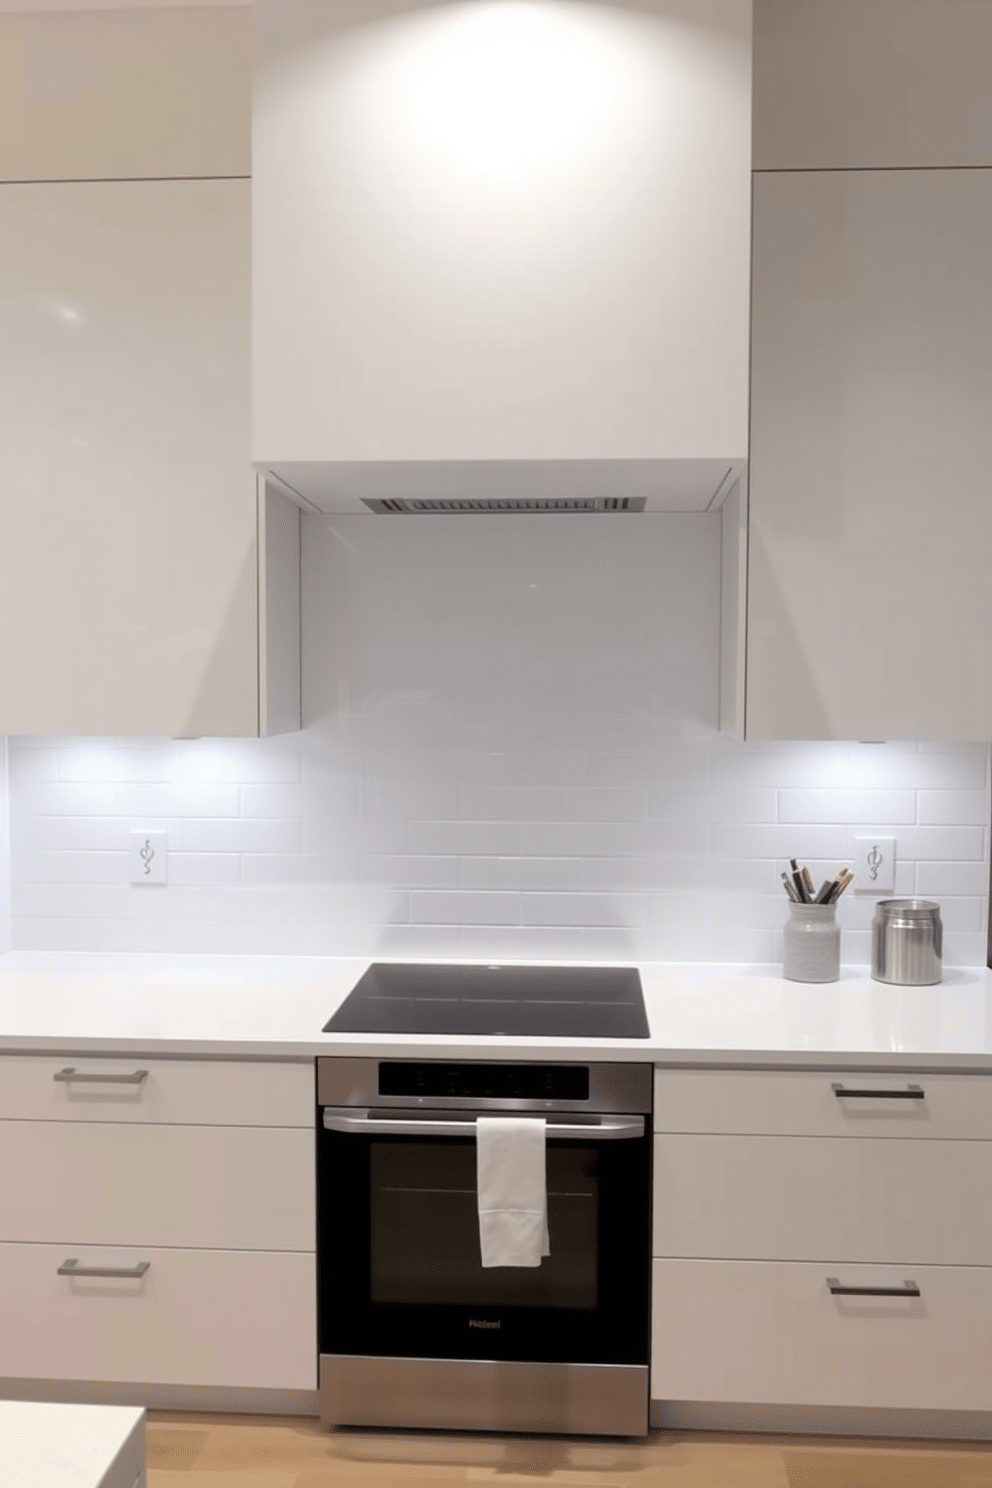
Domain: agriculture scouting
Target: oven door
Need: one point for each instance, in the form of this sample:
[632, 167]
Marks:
[401, 1272]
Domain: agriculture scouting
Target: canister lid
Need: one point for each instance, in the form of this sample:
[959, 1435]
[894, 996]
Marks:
[907, 909]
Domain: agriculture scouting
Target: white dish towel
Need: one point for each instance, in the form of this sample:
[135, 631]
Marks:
[513, 1190]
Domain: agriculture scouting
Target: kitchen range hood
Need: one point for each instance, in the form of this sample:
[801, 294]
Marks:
[501, 254]
[552, 487]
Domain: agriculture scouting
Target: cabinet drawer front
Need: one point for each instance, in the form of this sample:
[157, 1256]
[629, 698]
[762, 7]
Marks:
[195, 1092]
[808, 1198]
[766, 1333]
[195, 1317]
[238, 1188]
[805, 1104]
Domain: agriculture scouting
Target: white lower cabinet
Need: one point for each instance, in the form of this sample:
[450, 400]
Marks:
[194, 1317]
[187, 1092]
[823, 1239]
[224, 1187]
[810, 1198]
[772, 1333]
[142, 1244]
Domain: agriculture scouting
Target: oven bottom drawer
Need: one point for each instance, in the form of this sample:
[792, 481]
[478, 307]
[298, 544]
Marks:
[483, 1395]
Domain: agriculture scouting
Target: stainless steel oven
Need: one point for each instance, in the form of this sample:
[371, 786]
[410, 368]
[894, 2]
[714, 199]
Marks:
[413, 1331]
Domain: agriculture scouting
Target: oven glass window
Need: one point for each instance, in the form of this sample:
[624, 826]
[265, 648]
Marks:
[425, 1230]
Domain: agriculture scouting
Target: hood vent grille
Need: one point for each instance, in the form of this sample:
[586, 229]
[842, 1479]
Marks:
[395, 506]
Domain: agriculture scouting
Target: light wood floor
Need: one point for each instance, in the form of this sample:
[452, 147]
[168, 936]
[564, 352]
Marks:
[186, 1451]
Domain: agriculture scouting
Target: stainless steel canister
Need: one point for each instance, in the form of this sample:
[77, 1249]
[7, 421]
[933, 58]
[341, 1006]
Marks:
[907, 939]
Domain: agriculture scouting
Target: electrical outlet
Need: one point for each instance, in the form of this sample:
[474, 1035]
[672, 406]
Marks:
[874, 865]
[149, 857]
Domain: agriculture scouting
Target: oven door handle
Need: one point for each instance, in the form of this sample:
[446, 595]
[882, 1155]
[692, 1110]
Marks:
[354, 1122]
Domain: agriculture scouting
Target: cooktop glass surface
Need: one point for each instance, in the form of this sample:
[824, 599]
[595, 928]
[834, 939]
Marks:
[540, 1001]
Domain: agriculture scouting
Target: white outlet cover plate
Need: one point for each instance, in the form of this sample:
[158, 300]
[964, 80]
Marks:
[874, 865]
[148, 860]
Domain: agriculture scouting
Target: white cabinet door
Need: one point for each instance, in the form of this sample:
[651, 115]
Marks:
[93, 93]
[823, 1103]
[869, 603]
[774, 1334]
[194, 1092]
[195, 1317]
[129, 559]
[871, 84]
[813, 1198]
[218, 1187]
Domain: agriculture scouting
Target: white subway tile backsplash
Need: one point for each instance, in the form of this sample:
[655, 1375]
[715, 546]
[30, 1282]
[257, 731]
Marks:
[297, 868]
[523, 943]
[951, 808]
[415, 941]
[872, 808]
[685, 770]
[936, 879]
[926, 844]
[42, 797]
[438, 907]
[801, 840]
[324, 832]
[33, 764]
[583, 909]
[404, 870]
[72, 834]
[177, 800]
[200, 870]
[962, 949]
[545, 803]
[511, 752]
[46, 867]
[465, 837]
[697, 805]
[604, 803]
[521, 873]
[271, 801]
[240, 834]
[609, 839]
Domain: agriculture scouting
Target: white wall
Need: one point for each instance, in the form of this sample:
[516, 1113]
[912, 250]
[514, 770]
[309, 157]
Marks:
[512, 752]
[5, 925]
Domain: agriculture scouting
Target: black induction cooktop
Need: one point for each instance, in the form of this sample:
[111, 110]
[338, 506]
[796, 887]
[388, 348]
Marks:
[540, 1001]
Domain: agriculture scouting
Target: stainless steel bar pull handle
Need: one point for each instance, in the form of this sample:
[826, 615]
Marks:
[908, 1092]
[610, 1129]
[837, 1289]
[72, 1076]
[71, 1267]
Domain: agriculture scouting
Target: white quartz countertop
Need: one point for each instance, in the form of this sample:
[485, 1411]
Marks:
[275, 1007]
[69, 1446]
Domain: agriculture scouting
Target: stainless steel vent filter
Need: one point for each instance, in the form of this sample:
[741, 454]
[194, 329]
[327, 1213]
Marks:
[396, 506]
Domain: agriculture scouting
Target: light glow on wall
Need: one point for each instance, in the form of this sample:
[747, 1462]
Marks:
[501, 95]
[508, 88]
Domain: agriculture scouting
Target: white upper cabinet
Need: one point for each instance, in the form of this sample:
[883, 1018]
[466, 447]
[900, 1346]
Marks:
[858, 84]
[146, 585]
[501, 249]
[114, 94]
[129, 567]
[870, 544]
